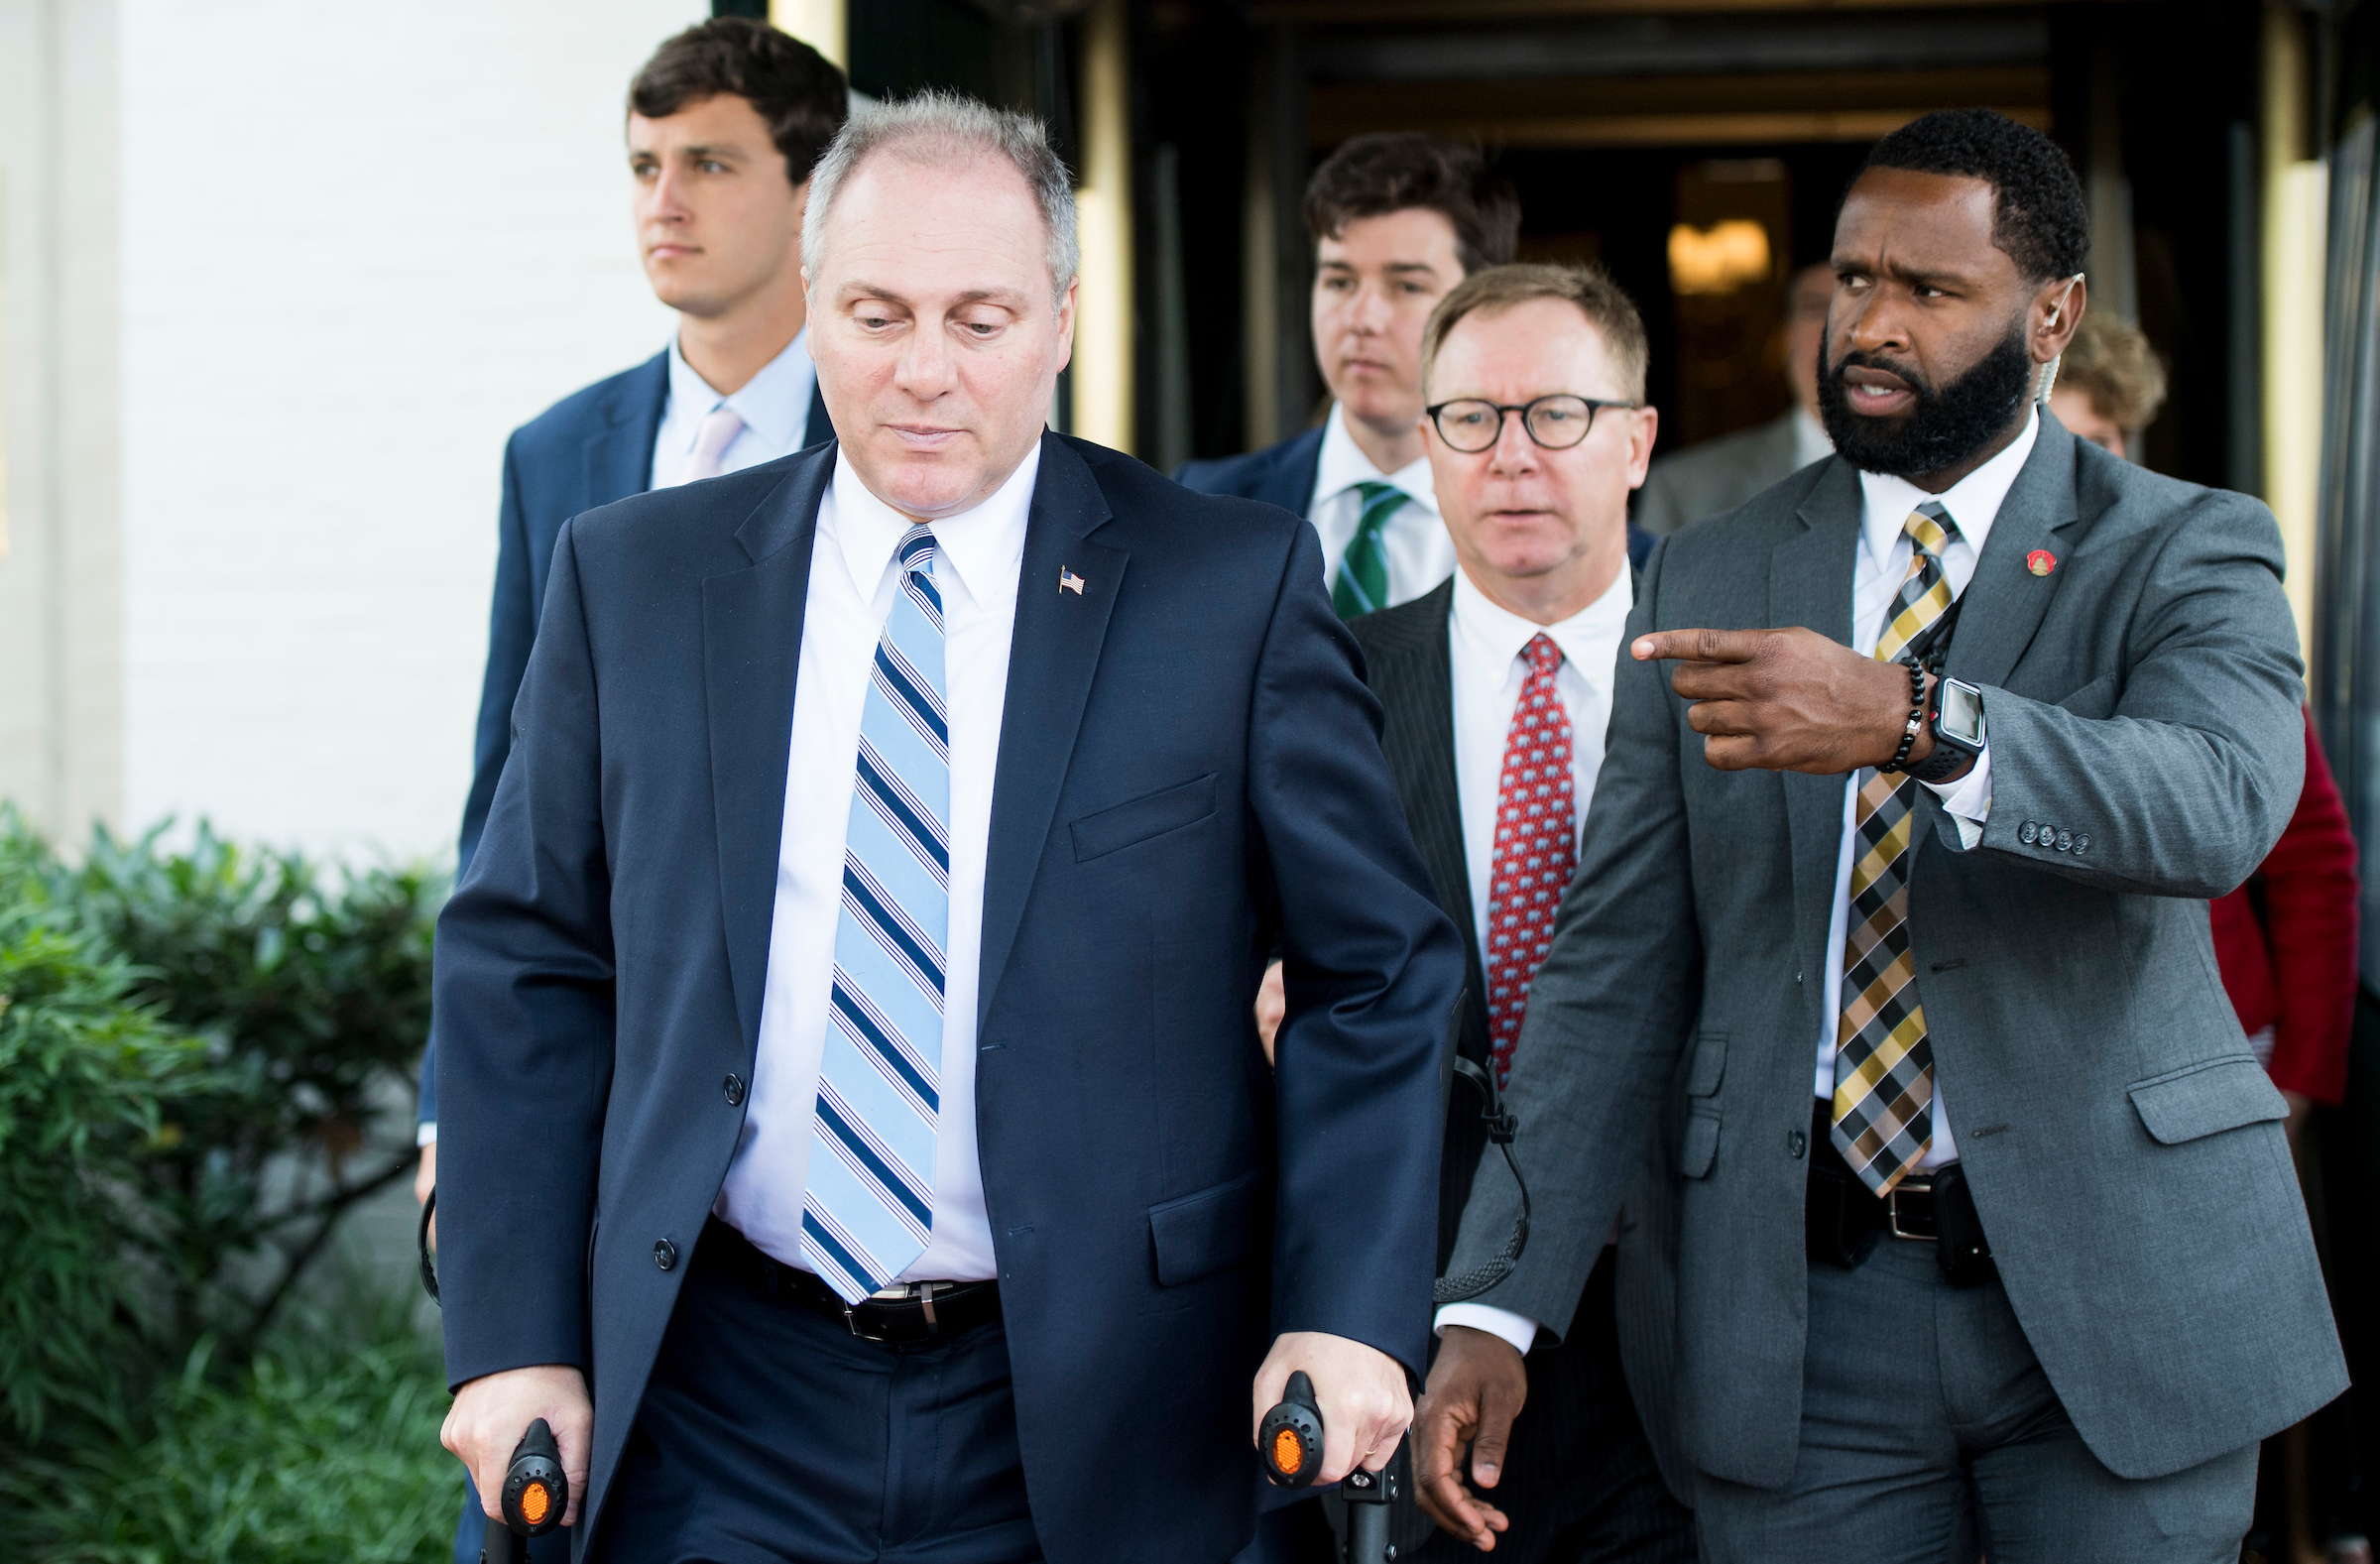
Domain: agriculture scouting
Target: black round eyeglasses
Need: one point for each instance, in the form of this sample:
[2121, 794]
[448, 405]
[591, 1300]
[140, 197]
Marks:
[1557, 423]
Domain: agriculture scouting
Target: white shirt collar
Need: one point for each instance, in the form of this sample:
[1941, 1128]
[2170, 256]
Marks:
[774, 403]
[1342, 465]
[984, 547]
[1490, 635]
[1973, 501]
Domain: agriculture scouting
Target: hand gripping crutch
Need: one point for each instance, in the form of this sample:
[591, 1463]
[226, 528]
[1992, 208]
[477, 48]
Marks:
[535, 1493]
[1291, 1440]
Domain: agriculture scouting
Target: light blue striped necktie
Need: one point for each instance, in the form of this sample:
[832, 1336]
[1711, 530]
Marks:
[870, 1206]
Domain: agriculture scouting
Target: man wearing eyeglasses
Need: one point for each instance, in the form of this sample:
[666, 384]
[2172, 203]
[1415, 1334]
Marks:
[1495, 688]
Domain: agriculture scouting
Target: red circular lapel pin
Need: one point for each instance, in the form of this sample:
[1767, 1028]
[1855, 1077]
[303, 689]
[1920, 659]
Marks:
[2041, 561]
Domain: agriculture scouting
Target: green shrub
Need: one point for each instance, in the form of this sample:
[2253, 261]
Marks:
[311, 994]
[324, 1447]
[85, 1077]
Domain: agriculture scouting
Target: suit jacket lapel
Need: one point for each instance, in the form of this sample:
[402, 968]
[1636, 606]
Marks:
[1419, 740]
[2005, 600]
[752, 623]
[1051, 660]
[1810, 584]
[619, 457]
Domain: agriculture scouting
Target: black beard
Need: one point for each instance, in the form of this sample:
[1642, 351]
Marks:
[1949, 424]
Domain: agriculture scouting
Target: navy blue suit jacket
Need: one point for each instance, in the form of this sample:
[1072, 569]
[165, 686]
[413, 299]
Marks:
[1281, 475]
[1284, 475]
[1189, 769]
[590, 448]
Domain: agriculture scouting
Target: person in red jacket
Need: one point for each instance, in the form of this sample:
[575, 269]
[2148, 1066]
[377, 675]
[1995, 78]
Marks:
[2286, 944]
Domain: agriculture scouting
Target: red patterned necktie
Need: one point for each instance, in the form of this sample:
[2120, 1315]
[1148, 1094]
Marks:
[1536, 848]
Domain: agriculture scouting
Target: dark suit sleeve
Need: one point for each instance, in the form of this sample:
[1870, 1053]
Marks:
[2182, 767]
[1372, 970]
[1607, 1011]
[523, 987]
[512, 627]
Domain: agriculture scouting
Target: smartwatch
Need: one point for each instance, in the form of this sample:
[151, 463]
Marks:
[1958, 724]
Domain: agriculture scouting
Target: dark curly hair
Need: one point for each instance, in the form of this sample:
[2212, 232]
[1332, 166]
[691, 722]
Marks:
[2039, 217]
[1392, 171]
[790, 85]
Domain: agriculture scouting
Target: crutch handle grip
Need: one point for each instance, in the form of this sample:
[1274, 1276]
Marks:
[1290, 1437]
[535, 1493]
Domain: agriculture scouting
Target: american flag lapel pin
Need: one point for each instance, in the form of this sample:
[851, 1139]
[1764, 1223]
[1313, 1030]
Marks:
[1068, 581]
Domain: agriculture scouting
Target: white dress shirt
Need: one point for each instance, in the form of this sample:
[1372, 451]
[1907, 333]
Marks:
[1882, 562]
[1420, 554]
[775, 405]
[1485, 645]
[853, 578]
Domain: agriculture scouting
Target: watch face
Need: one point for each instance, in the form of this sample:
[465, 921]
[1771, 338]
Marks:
[1961, 712]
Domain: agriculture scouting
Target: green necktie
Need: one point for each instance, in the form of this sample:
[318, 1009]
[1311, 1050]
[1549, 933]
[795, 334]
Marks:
[1363, 584]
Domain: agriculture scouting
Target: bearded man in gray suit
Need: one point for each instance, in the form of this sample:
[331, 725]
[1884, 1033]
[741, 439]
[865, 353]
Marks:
[1922, 764]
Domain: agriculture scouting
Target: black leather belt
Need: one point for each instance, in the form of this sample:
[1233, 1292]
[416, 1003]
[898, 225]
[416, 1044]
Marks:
[1845, 1221]
[908, 1314]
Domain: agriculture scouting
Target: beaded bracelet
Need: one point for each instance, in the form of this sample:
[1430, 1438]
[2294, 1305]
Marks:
[1917, 718]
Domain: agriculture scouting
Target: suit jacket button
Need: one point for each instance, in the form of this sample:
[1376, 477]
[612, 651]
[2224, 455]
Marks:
[1796, 1144]
[734, 1087]
[2028, 833]
[665, 1253]
[2081, 844]
[2066, 841]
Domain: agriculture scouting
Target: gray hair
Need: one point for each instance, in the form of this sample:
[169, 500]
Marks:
[937, 127]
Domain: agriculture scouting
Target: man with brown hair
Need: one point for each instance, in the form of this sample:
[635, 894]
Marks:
[723, 124]
[1398, 220]
[1495, 689]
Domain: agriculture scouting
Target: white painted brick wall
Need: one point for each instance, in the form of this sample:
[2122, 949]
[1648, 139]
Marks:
[360, 245]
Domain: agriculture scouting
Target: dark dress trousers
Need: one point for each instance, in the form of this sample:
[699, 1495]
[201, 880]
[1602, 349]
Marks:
[1580, 1481]
[1189, 771]
[588, 449]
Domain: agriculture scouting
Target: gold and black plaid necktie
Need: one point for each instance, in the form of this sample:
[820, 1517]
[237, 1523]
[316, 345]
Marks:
[1883, 1110]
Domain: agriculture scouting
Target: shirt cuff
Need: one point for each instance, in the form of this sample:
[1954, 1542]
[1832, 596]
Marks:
[1518, 1329]
[426, 1133]
[1969, 799]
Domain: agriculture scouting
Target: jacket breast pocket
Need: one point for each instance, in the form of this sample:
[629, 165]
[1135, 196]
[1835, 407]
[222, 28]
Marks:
[1710, 1065]
[1112, 830]
[1212, 1229]
[2205, 1099]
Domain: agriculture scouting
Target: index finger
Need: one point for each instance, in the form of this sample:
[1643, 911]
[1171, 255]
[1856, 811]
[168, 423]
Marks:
[1699, 646]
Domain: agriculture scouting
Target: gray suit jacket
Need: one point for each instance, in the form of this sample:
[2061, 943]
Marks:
[2124, 1149]
[1716, 475]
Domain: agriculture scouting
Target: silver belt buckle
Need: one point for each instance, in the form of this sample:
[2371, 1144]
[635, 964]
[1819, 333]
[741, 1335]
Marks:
[918, 1293]
[1893, 1207]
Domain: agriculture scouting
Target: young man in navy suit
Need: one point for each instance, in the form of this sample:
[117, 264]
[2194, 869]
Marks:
[1398, 220]
[892, 837]
[723, 124]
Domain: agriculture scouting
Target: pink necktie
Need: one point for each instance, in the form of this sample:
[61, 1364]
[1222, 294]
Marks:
[719, 432]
